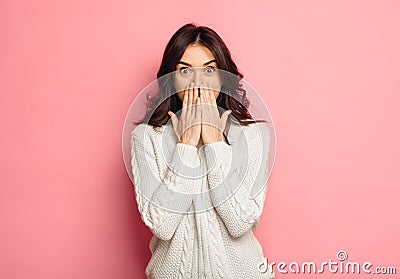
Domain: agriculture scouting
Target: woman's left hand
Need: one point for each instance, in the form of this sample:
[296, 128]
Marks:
[212, 125]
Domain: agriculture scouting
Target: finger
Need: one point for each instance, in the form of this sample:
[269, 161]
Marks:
[198, 89]
[205, 94]
[185, 103]
[174, 118]
[196, 92]
[195, 95]
[213, 109]
[185, 97]
[210, 107]
[210, 116]
[202, 104]
[202, 92]
[201, 89]
[224, 118]
[205, 99]
[190, 94]
[212, 95]
[174, 121]
[201, 96]
[213, 102]
[198, 110]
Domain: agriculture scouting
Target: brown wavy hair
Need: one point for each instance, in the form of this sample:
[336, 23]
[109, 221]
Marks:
[232, 96]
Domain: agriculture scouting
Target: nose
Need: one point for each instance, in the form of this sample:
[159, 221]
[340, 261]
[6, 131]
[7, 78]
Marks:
[197, 75]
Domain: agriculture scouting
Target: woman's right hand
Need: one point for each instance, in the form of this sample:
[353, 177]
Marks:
[188, 127]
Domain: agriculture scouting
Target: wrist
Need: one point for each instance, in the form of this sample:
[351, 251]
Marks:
[212, 141]
[189, 143]
[208, 141]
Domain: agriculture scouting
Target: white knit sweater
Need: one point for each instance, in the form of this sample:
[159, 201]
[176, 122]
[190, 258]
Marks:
[199, 201]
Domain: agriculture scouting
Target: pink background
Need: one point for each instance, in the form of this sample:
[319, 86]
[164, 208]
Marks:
[69, 70]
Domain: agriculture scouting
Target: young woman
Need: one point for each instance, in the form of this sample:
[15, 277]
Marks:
[196, 158]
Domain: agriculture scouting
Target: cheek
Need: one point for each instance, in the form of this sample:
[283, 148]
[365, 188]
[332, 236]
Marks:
[180, 84]
[215, 83]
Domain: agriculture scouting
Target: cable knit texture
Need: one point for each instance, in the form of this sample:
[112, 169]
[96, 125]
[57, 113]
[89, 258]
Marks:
[202, 203]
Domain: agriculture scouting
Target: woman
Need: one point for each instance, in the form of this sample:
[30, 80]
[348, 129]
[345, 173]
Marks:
[196, 157]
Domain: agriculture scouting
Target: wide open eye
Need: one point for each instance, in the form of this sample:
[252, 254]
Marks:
[185, 71]
[209, 69]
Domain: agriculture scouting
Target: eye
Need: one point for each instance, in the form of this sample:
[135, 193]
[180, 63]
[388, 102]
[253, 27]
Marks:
[209, 69]
[185, 70]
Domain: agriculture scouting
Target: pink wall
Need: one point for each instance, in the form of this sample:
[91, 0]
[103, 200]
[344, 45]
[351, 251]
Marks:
[69, 70]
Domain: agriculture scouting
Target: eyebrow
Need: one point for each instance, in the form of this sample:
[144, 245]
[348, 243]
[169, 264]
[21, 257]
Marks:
[187, 64]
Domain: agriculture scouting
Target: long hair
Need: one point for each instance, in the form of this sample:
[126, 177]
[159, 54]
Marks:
[232, 96]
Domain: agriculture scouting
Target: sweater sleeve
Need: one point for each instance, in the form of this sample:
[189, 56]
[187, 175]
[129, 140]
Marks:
[231, 181]
[163, 199]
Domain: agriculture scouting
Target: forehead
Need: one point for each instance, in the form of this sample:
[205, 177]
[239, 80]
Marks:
[197, 55]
